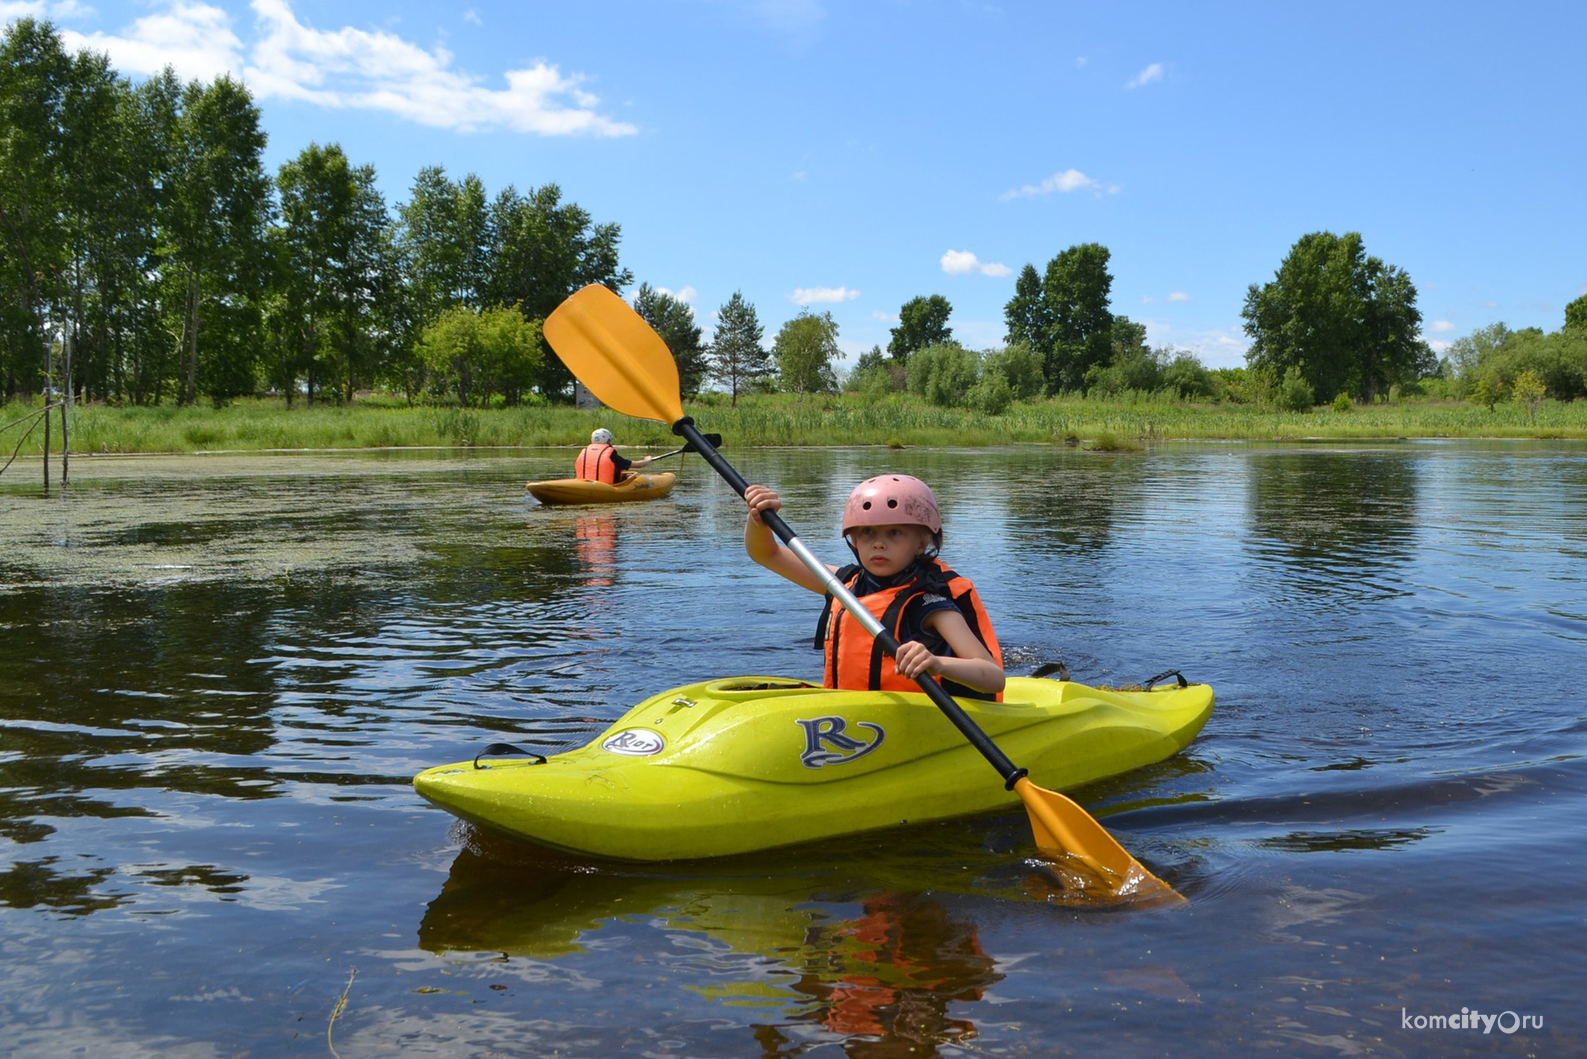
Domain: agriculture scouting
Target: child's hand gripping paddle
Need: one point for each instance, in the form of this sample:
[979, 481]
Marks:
[624, 363]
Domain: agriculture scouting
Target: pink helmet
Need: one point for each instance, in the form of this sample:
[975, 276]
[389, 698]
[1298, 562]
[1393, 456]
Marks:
[892, 500]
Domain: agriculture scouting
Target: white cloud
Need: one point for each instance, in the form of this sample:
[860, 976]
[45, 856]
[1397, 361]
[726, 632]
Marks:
[886, 318]
[964, 262]
[686, 295]
[818, 295]
[350, 68]
[1066, 181]
[194, 39]
[1441, 327]
[1154, 72]
[472, 17]
[1178, 296]
[1438, 345]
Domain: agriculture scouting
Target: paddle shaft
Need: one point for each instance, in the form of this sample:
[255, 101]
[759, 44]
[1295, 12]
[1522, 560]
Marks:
[941, 699]
[714, 439]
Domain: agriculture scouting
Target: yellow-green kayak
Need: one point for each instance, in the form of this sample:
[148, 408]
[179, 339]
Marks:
[637, 486]
[748, 763]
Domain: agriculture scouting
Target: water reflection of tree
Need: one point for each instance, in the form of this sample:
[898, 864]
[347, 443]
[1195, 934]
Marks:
[180, 687]
[1066, 508]
[1337, 517]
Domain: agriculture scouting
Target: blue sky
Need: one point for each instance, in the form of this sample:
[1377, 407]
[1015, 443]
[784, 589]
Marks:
[851, 156]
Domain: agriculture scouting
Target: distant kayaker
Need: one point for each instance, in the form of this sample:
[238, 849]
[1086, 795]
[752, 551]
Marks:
[892, 525]
[601, 462]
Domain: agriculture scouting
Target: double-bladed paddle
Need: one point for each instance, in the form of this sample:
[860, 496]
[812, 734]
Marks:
[626, 364]
[714, 439]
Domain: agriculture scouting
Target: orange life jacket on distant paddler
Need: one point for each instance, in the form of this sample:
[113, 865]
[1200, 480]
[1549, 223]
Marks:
[595, 464]
[854, 658]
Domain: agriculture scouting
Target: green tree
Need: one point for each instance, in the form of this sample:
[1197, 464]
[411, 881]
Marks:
[215, 234]
[736, 357]
[873, 374]
[1020, 366]
[674, 322]
[922, 322]
[35, 75]
[1488, 390]
[1576, 314]
[1295, 394]
[480, 355]
[991, 395]
[443, 240]
[1028, 318]
[1558, 360]
[1185, 374]
[337, 265]
[1076, 290]
[1528, 392]
[543, 250]
[943, 373]
[1345, 320]
[102, 189]
[1466, 355]
[804, 350]
[144, 353]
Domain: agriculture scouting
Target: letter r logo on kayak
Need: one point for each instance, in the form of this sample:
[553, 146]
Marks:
[822, 733]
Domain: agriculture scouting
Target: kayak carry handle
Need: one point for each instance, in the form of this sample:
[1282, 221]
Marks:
[497, 749]
[1152, 683]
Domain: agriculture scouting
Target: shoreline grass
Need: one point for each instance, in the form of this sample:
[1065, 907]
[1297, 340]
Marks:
[261, 425]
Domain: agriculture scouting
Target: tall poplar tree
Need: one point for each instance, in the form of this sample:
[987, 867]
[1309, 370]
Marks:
[1062, 315]
[1026, 315]
[337, 264]
[215, 227]
[35, 74]
[544, 250]
[1076, 290]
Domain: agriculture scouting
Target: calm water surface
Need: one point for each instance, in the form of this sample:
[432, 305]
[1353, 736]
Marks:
[218, 675]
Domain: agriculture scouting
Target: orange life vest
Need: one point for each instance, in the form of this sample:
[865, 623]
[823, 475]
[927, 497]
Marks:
[595, 464]
[856, 661]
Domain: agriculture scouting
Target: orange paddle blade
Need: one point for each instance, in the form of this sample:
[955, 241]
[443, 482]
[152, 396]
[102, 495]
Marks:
[1088, 857]
[616, 355]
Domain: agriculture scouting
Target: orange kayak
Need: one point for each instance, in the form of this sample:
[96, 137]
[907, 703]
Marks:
[579, 491]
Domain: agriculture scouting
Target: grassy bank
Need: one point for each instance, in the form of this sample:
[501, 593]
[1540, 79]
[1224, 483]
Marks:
[259, 425]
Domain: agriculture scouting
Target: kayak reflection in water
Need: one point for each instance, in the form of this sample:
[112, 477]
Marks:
[600, 461]
[892, 525]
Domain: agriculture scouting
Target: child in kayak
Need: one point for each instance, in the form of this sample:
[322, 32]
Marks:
[892, 525]
[600, 461]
